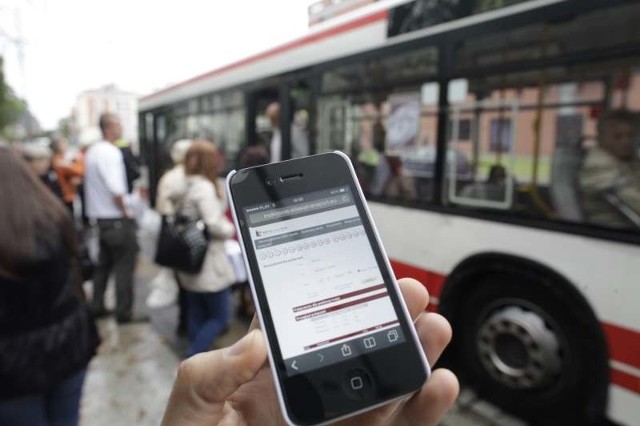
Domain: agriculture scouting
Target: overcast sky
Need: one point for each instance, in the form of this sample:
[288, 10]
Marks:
[141, 45]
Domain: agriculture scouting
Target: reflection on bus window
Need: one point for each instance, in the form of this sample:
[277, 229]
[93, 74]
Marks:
[390, 137]
[379, 71]
[300, 98]
[560, 159]
[551, 40]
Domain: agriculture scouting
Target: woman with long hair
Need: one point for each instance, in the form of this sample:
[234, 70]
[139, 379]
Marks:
[208, 291]
[47, 337]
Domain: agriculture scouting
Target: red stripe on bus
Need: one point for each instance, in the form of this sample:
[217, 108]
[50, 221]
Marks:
[331, 32]
[432, 307]
[433, 281]
[624, 344]
[625, 380]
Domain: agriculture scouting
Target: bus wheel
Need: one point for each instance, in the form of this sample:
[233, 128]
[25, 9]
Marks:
[527, 350]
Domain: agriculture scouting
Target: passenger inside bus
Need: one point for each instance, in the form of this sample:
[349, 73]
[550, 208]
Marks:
[494, 189]
[299, 134]
[372, 165]
[610, 174]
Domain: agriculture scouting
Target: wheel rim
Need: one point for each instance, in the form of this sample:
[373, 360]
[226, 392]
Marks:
[519, 348]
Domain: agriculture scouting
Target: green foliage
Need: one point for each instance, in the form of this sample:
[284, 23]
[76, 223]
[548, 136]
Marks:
[11, 107]
[64, 127]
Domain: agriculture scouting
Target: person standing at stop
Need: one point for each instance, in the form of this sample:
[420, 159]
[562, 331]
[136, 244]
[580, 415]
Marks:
[47, 337]
[68, 171]
[106, 195]
[208, 294]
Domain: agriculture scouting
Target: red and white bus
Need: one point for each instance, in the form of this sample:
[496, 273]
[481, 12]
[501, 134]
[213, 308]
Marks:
[468, 122]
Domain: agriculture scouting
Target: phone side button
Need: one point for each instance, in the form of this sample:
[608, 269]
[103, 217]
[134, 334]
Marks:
[358, 384]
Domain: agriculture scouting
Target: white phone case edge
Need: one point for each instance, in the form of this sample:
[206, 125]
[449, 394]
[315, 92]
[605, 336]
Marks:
[405, 310]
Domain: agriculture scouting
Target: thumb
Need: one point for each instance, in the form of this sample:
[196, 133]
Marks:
[206, 380]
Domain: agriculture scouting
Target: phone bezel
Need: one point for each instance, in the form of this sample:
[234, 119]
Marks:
[249, 187]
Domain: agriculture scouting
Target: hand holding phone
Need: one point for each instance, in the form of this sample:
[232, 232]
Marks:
[235, 386]
[339, 335]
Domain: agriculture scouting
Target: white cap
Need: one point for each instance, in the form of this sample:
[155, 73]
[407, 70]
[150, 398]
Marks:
[179, 150]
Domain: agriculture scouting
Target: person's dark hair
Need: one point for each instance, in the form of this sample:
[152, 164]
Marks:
[30, 213]
[106, 119]
[203, 159]
[255, 155]
[497, 172]
[620, 115]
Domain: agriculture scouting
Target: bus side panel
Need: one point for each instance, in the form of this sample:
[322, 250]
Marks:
[605, 272]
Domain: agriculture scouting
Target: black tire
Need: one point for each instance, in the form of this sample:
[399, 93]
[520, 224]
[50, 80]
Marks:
[570, 395]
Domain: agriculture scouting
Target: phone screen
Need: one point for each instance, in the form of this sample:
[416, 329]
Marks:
[325, 291]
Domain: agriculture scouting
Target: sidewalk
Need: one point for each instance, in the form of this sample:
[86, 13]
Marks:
[130, 379]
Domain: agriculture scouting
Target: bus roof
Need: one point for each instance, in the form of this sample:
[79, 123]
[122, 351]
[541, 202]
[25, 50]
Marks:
[322, 32]
[342, 37]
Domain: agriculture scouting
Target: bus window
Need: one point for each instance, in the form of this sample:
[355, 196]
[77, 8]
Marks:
[300, 110]
[396, 69]
[390, 137]
[551, 148]
[235, 136]
[416, 147]
[488, 179]
[356, 125]
[580, 35]
[334, 129]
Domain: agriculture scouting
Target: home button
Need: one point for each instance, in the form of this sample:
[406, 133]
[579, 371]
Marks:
[358, 384]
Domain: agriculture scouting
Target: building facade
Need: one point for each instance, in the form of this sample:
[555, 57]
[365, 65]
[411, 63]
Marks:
[91, 104]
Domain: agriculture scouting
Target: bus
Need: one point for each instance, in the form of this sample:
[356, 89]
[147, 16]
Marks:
[468, 122]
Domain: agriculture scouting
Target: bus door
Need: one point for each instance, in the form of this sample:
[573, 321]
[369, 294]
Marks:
[261, 123]
[297, 113]
[155, 150]
[279, 118]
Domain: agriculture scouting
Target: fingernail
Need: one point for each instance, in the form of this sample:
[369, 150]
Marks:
[241, 345]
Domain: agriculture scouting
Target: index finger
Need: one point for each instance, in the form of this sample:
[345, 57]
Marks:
[415, 296]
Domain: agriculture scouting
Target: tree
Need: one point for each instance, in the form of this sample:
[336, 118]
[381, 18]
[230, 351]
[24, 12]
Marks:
[12, 108]
[64, 127]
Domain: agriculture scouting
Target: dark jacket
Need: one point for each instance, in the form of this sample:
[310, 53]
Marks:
[46, 333]
[50, 180]
[131, 166]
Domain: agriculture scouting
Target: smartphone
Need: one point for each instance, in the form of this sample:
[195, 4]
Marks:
[340, 338]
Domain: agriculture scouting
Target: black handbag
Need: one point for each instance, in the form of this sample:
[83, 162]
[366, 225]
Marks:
[182, 244]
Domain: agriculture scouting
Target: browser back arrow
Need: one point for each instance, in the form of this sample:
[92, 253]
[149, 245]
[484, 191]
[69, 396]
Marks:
[294, 365]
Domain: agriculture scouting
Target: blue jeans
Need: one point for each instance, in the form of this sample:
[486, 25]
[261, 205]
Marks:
[60, 406]
[207, 317]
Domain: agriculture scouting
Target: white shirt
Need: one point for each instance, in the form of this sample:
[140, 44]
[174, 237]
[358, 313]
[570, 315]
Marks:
[276, 145]
[105, 178]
